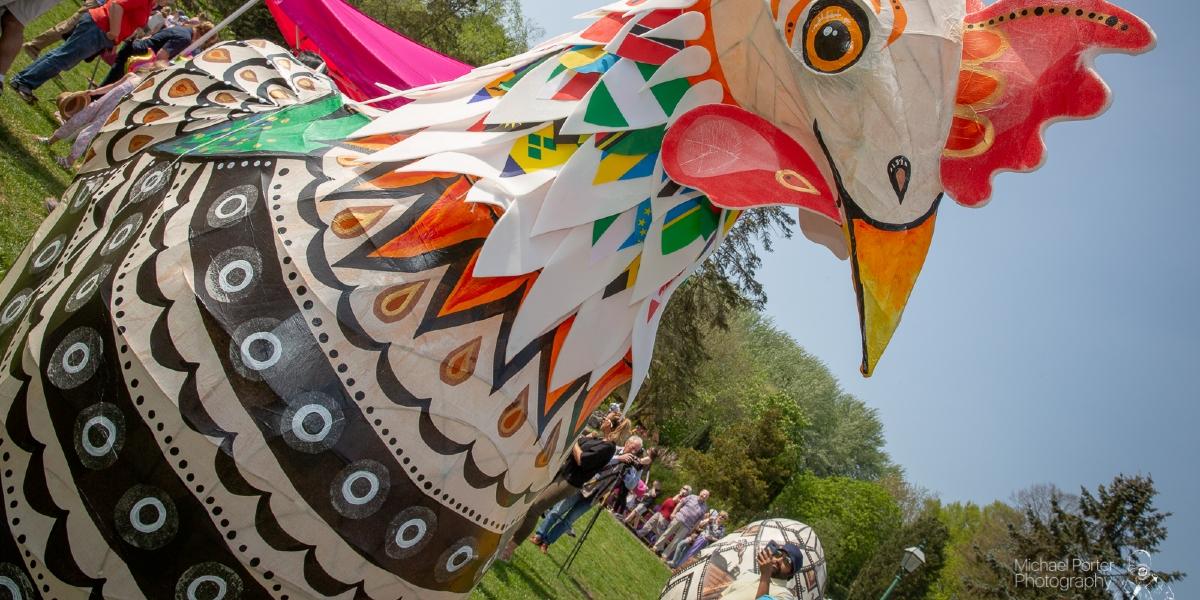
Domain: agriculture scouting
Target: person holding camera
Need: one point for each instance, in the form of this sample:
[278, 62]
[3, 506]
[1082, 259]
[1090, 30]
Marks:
[622, 467]
[587, 457]
[622, 497]
[777, 563]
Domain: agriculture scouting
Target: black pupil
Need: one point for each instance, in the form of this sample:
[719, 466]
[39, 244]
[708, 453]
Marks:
[360, 487]
[833, 41]
[208, 589]
[236, 276]
[313, 423]
[148, 514]
[261, 349]
[97, 436]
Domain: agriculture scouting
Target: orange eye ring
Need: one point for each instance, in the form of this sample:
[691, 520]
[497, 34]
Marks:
[835, 35]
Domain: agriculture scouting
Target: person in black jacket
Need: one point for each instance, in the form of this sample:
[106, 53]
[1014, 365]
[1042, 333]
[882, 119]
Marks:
[588, 456]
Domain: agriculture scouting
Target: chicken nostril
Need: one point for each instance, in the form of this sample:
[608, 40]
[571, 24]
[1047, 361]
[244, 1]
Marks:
[900, 173]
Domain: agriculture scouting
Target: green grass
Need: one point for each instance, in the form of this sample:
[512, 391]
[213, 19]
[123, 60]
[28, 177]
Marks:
[611, 564]
[28, 173]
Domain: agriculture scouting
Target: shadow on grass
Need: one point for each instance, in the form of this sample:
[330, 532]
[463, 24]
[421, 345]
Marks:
[11, 145]
[506, 573]
[540, 583]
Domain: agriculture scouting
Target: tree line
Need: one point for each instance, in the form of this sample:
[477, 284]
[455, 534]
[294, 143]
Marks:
[476, 32]
[766, 427]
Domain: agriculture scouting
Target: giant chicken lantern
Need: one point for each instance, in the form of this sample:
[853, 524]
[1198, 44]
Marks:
[272, 345]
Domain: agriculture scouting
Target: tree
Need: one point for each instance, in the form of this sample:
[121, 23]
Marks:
[852, 519]
[256, 23]
[751, 460]
[971, 528]
[929, 533]
[845, 436]
[1106, 528]
[473, 31]
[723, 287]
[913, 500]
[476, 32]
[1037, 500]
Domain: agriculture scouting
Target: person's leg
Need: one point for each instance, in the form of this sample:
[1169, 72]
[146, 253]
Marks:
[696, 547]
[118, 69]
[634, 515]
[681, 540]
[11, 30]
[656, 529]
[547, 498]
[59, 32]
[552, 518]
[83, 118]
[581, 507]
[668, 536]
[650, 525]
[677, 555]
[86, 39]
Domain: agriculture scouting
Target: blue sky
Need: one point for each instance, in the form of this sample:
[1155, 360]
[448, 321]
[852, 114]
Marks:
[1053, 333]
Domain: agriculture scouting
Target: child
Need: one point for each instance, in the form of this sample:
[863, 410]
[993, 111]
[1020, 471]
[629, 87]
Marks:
[86, 123]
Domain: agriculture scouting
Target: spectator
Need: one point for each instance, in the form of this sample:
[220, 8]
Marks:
[14, 16]
[658, 521]
[710, 530]
[98, 30]
[774, 567]
[588, 456]
[619, 504]
[683, 519]
[59, 31]
[85, 123]
[565, 513]
[175, 18]
[157, 21]
[165, 44]
[643, 507]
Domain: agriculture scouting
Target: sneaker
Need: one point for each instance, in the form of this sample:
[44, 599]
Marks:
[30, 50]
[25, 93]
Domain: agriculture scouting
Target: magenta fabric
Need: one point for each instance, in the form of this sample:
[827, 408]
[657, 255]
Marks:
[360, 51]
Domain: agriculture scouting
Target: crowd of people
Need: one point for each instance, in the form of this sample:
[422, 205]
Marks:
[609, 466]
[135, 37]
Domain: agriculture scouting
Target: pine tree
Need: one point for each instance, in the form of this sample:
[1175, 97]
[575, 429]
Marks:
[1104, 529]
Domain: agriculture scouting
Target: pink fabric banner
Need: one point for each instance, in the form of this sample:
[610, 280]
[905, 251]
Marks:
[360, 51]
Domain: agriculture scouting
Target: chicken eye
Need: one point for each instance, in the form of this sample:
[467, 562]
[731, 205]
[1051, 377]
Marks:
[835, 35]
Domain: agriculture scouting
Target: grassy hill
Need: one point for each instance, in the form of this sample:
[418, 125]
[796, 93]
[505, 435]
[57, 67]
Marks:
[28, 172]
[611, 564]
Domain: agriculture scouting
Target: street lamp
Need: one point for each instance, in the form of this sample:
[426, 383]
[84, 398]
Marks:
[913, 558]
